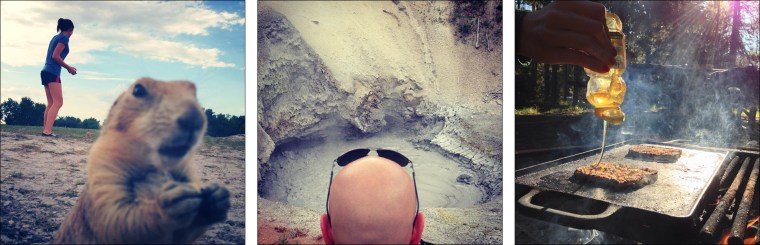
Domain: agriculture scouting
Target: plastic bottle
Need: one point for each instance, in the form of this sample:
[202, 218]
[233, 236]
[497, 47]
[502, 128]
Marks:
[606, 91]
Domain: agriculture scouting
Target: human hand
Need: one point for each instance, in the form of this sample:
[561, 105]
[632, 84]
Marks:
[568, 32]
[72, 70]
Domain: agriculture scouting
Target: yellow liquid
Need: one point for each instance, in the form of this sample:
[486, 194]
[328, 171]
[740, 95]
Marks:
[604, 138]
[607, 94]
[606, 91]
[610, 114]
[607, 104]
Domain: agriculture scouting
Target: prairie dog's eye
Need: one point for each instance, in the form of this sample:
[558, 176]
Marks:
[139, 91]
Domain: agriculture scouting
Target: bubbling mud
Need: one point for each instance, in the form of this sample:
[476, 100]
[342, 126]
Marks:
[300, 172]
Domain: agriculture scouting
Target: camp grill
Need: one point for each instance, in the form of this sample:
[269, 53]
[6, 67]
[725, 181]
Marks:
[689, 202]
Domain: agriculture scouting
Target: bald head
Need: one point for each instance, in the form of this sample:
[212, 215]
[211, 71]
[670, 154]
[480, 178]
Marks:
[372, 200]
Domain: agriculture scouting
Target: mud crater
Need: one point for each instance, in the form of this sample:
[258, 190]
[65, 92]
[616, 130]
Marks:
[300, 169]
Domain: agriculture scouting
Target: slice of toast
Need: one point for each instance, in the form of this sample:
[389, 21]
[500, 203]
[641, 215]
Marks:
[653, 153]
[616, 176]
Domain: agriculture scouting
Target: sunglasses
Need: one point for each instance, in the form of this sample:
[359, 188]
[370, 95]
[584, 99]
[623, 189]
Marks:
[355, 154]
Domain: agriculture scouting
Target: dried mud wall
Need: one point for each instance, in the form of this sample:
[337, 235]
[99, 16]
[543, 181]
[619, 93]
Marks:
[298, 98]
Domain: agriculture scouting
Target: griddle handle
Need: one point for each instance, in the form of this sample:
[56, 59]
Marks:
[527, 199]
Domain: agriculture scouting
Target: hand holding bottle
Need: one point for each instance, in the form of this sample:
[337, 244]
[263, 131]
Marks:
[568, 32]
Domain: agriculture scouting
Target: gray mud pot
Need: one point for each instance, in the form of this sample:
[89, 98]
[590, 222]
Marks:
[301, 172]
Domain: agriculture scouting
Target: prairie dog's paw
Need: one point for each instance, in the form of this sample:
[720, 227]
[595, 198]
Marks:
[216, 203]
[180, 202]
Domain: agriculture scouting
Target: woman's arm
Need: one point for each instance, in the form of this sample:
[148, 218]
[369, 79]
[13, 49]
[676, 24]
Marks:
[57, 57]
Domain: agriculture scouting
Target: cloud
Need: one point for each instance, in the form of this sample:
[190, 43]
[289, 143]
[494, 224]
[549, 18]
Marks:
[113, 93]
[173, 52]
[99, 76]
[5, 69]
[153, 30]
[17, 92]
[117, 90]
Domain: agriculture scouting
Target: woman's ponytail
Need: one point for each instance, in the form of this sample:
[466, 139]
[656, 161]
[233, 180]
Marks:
[60, 23]
[64, 25]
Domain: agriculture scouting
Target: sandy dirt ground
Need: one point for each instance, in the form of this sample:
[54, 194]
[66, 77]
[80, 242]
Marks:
[42, 177]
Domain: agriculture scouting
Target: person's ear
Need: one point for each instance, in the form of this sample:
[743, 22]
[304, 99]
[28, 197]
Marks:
[324, 222]
[419, 225]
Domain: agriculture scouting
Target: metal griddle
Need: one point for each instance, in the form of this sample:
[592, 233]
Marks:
[677, 192]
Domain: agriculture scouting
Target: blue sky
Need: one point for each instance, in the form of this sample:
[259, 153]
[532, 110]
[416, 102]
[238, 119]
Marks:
[115, 43]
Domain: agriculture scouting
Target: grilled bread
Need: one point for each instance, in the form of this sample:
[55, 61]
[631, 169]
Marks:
[654, 154]
[616, 176]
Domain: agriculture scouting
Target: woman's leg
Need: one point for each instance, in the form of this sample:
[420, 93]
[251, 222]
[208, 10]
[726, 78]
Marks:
[47, 108]
[52, 112]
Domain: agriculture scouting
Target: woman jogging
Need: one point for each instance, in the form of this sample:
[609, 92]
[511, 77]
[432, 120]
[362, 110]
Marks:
[57, 51]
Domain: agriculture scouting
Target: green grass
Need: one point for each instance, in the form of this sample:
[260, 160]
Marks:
[744, 116]
[80, 133]
[656, 108]
[574, 110]
[224, 142]
[527, 111]
[17, 175]
[70, 193]
[562, 109]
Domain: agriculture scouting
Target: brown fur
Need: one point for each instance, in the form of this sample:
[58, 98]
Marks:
[136, 194]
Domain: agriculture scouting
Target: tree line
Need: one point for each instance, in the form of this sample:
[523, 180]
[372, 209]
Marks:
[29, 113]
[221, 125]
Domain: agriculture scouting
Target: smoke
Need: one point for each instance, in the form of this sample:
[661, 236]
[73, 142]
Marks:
[677, 92]
[652, 97]
[673, 90]
[533, 231]
[668, 102]
[681, 82]
[586, 131]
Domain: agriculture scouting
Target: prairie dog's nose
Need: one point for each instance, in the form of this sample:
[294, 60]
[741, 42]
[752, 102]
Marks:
[191, 120]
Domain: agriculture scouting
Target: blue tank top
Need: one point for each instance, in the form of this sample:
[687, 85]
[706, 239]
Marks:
[50, 64]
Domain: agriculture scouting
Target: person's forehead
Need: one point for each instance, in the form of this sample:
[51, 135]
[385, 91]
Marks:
[371, 173]
[372, 162]
[370, 166]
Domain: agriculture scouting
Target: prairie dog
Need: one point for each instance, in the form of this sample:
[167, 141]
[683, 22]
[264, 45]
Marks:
[141, 184]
